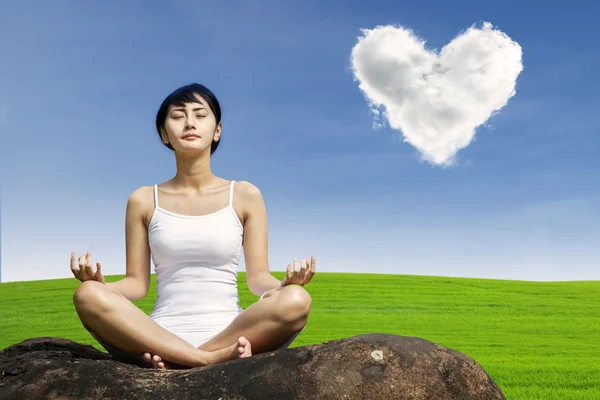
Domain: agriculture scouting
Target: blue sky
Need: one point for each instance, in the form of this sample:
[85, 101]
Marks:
[80, 84]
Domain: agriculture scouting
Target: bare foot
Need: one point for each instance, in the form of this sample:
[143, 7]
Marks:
[244, 348]
[241, 349]
[157, 362]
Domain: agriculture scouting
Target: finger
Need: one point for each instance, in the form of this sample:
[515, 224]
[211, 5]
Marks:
[88, 264]
[296, 270]
[312, 266]
[303, 269]
[74, 268]
[73, 261]
[98, 269]
[82, 266]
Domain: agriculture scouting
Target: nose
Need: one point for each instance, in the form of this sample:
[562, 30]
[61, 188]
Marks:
[189, 121]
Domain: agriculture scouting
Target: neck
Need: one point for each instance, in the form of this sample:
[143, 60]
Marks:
[193, 171]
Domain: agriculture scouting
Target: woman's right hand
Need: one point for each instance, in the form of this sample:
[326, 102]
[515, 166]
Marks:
[85, 272]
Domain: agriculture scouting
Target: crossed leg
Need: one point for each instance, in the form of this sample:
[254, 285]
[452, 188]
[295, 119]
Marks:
[117, 322]
[267, 324]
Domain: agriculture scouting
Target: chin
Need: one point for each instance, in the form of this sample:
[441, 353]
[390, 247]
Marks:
[191, 149]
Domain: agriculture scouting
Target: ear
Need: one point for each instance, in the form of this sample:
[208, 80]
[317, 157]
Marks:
[163, 136]
[217, 135]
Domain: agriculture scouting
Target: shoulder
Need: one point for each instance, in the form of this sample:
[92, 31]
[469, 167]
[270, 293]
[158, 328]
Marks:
[142, 196]
[247, 191]
[249, 198]
[141, 202]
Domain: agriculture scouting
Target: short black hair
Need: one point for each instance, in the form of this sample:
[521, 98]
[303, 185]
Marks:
[187, 94]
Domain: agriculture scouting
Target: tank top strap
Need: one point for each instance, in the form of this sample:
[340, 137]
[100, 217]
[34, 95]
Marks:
[156, 196]
[231, 194]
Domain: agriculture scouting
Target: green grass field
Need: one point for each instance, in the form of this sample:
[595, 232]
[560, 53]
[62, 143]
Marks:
[536, 340]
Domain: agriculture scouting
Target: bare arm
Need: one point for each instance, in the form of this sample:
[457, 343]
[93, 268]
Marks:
[258, 276]
[136, 283]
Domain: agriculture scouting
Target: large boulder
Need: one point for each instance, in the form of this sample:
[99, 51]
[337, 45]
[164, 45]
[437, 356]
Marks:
[373, 366]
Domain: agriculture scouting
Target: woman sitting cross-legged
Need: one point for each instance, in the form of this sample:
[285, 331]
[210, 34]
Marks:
[193, 227]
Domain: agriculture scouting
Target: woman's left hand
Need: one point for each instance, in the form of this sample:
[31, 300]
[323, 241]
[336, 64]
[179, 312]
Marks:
[300, 276]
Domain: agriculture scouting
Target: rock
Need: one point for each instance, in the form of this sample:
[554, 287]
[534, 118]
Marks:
[372, 366]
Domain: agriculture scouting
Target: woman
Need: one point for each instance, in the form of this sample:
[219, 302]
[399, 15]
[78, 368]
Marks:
[193, 228]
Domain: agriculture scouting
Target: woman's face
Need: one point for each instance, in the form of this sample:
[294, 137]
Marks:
[191, 128]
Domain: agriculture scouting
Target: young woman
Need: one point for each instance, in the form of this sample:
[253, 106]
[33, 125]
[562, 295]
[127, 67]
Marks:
[193, 227]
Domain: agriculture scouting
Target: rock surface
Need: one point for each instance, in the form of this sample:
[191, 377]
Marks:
[371, 366]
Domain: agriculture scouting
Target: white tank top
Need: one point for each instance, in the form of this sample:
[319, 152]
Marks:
[195, 259]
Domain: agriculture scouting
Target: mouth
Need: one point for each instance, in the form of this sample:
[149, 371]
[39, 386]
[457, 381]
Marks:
[190, 135]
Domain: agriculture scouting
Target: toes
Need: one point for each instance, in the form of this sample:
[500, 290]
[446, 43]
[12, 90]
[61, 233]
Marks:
[156, 362]
[244, 347]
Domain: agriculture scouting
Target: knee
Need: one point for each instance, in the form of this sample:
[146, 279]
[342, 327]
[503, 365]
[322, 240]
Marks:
[90, 296]
[294, 304]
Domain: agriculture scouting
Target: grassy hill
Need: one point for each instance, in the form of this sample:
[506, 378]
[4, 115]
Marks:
[537, 340]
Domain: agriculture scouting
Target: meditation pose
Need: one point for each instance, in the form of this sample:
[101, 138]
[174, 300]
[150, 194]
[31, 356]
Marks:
[193, 227]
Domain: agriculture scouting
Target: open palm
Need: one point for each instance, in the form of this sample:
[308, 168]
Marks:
[300, 275]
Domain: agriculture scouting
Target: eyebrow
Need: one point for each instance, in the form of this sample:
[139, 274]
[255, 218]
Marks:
[183, 109]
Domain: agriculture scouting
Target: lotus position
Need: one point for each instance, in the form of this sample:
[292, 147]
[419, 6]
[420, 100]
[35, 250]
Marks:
[193, 228]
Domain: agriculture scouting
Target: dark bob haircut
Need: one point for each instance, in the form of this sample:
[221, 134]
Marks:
[187, 94]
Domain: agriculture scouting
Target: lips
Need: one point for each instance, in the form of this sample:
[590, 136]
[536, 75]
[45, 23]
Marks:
[190, 135]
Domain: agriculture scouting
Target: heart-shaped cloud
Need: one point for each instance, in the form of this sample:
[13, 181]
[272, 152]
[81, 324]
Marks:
[436, 100]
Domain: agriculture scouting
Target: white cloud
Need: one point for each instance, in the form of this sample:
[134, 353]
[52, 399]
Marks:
[436, 100]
